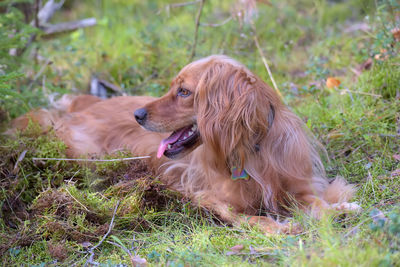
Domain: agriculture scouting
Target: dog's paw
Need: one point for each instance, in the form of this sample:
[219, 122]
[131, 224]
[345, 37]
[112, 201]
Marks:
[271, 226]
[347, 207]
[292, 228]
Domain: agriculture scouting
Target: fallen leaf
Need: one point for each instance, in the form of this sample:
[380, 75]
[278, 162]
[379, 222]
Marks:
[235, 250]
[334, 135]
[396, 34]
[395, 173]
[396, 157]
[357, 27]
[137, 261]
[383, 55]
[332, 82]
[20, 158]
[377, 216]
[86, 244]
[366, 65]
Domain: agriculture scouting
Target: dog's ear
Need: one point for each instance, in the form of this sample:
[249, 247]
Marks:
[233, 112]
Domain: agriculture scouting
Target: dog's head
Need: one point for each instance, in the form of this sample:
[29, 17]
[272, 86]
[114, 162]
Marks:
[215, 101]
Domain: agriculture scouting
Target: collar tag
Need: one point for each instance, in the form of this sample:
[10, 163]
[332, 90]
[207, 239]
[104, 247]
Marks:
[239, 175]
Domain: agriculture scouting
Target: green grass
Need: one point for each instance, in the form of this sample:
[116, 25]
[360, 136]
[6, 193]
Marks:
[51, 210]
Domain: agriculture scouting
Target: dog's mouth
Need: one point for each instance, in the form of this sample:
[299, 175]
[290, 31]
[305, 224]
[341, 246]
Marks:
[179, 141]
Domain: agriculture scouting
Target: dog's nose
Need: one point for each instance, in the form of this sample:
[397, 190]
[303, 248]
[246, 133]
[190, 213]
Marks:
[140, 115]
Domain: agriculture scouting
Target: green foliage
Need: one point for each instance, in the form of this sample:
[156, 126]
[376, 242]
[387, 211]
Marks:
[384, 78]
[14, 36]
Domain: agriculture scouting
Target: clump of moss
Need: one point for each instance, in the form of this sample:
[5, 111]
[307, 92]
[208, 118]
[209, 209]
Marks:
[59, 215]
[56, 200]
[23, 178]
[80, 215]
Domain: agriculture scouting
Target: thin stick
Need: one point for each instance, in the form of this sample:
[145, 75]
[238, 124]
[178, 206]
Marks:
[357, 92]
[183, 4]
[124, 249]
[36, 7]
[196, 31]
[217, 24]
[90, 260]
[93, 160]
[265, 63]
[42, 69]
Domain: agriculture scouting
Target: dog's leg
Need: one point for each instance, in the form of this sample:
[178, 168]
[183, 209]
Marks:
[271, 226]
[316, 206]
[231, 215]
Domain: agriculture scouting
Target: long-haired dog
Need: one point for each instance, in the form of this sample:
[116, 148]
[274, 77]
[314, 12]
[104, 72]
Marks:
[235, 148]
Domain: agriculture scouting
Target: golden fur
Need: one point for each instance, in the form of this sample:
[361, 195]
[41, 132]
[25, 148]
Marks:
[233, 110]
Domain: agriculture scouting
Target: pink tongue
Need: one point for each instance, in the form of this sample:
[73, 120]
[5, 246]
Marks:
[170, 140]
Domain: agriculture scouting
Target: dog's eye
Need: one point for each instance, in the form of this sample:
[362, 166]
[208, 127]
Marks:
[184, 92]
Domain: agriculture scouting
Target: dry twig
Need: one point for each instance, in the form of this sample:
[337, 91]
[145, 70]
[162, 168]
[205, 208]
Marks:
[342, 92]
[93, 160]
[196, 31]
[20, 158]
[217, 24]
[42, 69]
[47, 12]
[83, 206]
[136, 260]
[169, 6]
[264, 60]
[91, 252]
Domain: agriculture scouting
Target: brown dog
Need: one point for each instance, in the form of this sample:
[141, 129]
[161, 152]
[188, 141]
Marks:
[235, 148]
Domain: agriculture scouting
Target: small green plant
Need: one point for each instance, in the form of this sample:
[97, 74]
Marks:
[15, 35]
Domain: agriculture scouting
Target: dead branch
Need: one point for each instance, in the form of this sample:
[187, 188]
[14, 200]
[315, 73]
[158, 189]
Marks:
[69, 26]
[196, 29]
[48, 10]
[112, 86]
[43, 16]
[98, 87]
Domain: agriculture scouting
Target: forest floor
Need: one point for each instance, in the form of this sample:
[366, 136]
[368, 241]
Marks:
[54, 213]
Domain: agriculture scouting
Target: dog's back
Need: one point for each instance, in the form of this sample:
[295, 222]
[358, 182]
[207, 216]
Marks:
[91, 126]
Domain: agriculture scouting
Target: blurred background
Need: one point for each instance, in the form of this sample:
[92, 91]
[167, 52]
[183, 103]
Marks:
[138, 46]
